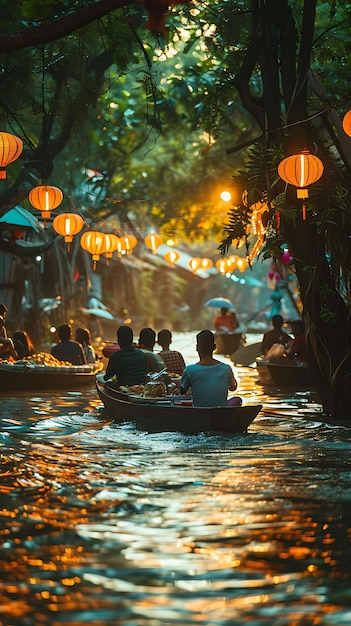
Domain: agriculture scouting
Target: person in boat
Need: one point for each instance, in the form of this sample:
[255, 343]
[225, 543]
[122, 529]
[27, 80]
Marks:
[226, 321]
[297, 349]
[129, 363]
[67, 349]
[23, 344]
[174, 360]
[147, 340]
[276, 335]
[7, 348]
[3, 312]
[82, 335]
[209, 379]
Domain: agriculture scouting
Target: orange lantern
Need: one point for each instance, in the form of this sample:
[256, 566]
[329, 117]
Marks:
[68, 225]
[346, 123]
[221, 265]
[206, 264]
[194, 264]
[10, 149]
[241, 264]
[94, 242]
[172, 256]
[301, 171]
[45, 198]
[128, 242]
[153, 241]
[111, 244]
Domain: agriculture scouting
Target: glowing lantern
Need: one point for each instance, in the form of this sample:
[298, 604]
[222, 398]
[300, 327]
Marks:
[172, 256]
[10, 149]
[45, 198]
[194, 264]
[129, 242]
[94, 242]
[301, 171]
[241, 264]
[346, 123]
[206, 264]
[111, 245]
[221, 265]
[153, 241]
[68, 225]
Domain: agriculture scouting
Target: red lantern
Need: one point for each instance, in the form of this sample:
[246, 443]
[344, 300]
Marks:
[45, 198]
[346, 123]
[10, 149]
[301, 171]
[68, 225]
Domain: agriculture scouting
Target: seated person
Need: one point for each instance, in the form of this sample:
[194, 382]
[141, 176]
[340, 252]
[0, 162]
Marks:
[209, 379]
[147, 340]
[276, 335]
[7, 348]
[23, 344]
[128, 364]
[226, 321]
[67, 349]
[82, 335]
[297, 349]
[174, 360]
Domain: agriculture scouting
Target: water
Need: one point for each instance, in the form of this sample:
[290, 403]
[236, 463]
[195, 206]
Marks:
[108, 525]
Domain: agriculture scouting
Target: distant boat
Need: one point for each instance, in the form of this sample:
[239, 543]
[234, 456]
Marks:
[284, 375]
[24, 376]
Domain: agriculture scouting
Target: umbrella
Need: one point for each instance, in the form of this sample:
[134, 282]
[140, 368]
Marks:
[100, 313]
[219, 302]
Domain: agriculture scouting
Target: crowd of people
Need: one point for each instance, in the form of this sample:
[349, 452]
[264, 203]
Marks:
[130, 363]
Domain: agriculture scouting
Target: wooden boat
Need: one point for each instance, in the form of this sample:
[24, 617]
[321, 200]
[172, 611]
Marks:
[24, 376]
[173, 413]
[227, 343]
[284, 376]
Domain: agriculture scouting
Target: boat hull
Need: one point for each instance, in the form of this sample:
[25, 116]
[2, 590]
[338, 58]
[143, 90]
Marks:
[284, 376]
[165, 415]
[23, 377]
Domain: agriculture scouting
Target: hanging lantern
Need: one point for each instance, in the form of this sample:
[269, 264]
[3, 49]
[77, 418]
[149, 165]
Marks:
[221, 265]
[172, 256]
[194, 264]
[68, 225]
[45, 198]
[94, 242]
[128, 242]
[241, 264]
[301, 171]
[111, 244]
[346, 123]
[153, 241]
[10, 149]
[206, 264]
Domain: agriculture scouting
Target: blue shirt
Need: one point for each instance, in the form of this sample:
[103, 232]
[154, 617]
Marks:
[209, 383]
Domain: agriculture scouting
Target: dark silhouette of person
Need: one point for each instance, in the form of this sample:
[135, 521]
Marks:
[67, 349]
[128, 364]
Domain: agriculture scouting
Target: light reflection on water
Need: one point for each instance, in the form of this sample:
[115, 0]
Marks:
[107, 524]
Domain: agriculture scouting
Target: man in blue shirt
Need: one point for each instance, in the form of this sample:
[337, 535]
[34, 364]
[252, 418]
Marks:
[209, 379]
[128, 364]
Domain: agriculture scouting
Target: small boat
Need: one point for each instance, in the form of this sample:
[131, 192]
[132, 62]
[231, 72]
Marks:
[227, 343]
[284, 376]
[25, 376]
[173, 413]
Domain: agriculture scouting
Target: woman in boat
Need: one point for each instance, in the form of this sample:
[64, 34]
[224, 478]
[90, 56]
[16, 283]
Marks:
[209, 379]
[174, 360]
[23, 344]
[82, 335]
[226, 321]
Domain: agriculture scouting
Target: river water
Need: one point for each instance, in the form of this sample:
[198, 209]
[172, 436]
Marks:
[104, 524]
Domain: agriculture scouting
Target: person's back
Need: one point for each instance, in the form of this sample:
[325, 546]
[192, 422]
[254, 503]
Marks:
[82, 335]
[297, 349]
[128, 364]
[173, 359]
[23, 344]
[7, 348]
[276, 335]
[209, 379]
[147, 339]
[67, 349]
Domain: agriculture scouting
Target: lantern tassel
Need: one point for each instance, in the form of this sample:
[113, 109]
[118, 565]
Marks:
[304, 211]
